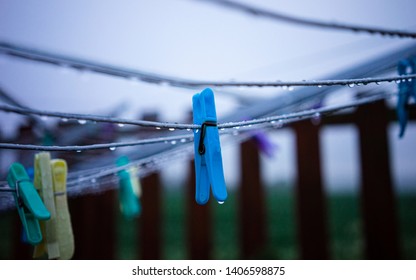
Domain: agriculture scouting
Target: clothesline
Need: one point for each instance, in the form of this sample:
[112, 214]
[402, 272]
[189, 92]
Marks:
[65, 61]
[273, 121]
[309, 22]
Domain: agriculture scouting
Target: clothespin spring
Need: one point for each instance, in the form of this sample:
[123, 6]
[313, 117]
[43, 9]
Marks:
[201, 147]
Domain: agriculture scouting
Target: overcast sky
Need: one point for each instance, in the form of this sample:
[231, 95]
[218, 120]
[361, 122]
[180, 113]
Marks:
[197, 40]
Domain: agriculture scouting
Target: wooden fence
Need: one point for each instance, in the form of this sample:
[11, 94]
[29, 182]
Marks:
[94, 218]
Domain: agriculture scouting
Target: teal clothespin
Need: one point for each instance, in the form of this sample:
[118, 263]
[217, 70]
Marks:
[28, 203]
[208, 160]
[129, 200]
[406, 90]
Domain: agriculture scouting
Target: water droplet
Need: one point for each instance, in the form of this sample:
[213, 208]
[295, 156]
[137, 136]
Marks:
[197, 130]
[378, 83]
[316, 118]
[284, 87]
[157, 128]
[82, 121]
[319, 86]
[173, 142]
[112, 148]
[171, 129]
[397, 81]
[44, 118]
[220, 202]
[351, 85]
[409, 80]
[120, 124]
[188, 129]
[222, 129]
[237, 127]
[64, 120]
[78, 151]
[183, 140]
[291, 88]
[359, 84]
[235, 133]
[93, 180]
[134, 81]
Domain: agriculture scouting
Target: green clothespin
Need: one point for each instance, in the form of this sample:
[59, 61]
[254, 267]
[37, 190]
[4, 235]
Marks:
[129, 199]
[28, 203]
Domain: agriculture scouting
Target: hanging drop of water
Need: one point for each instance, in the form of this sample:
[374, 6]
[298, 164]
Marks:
[222, 129]
[64, 120]
[44, 118]
[351, 85]
[378, 83]
[291, 88]
[93, 180]
[188, 129]
[197, 130]
[220, 202]
[78, 151]
[183, 140]
[171, 129]
[120, 124]
[173, 142]
[112, 148]
[316, 118]
[319, 86]
[82, 121]
[397, 81]
[158, 128]
[284, 87]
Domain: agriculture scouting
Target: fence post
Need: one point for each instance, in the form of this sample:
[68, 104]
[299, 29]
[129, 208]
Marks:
[93, 222]
[311, 216]
[377, 195]
[150, 219]
[199, 222]
[93, 216]
[252, 210]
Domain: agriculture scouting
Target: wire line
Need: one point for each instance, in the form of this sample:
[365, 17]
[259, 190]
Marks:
[244, 125]
[309, 22]
[65, 61]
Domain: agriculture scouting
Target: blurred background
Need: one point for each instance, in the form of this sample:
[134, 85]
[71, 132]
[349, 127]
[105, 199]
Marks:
[268, 198]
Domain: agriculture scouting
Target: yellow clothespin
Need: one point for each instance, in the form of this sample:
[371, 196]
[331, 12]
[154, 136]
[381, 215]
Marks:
[43, 182]
[64, 232]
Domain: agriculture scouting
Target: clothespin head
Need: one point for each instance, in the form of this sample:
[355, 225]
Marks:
[129, 201]
[28, 203]
[208, 160]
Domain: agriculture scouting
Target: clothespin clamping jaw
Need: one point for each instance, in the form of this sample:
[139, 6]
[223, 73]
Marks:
[129, 190]
[407, 88]
[208, 160]
[28, 203]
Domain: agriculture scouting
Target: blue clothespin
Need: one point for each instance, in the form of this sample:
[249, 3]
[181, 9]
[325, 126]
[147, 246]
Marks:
[406, 90]
[129, 198]
[208, 159]
[28, 203]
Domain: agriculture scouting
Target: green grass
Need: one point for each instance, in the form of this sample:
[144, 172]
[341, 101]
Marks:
[343, 216]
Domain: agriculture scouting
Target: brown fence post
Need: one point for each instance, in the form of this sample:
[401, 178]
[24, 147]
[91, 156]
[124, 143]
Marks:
[93, 222]
[377, 195]
[151, 216]
[252, 210]
[312, 227]
[199, 222]
[93, 216]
